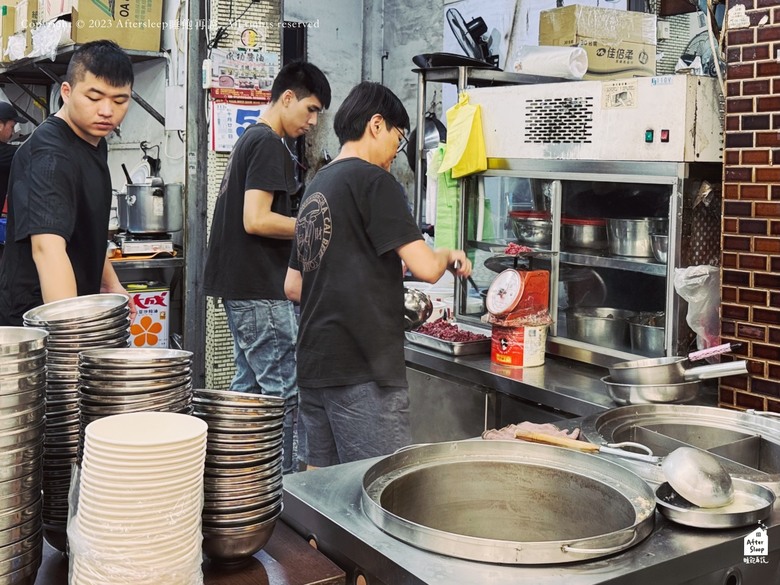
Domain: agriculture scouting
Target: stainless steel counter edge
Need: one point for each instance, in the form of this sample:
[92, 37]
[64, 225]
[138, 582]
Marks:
[571, 387]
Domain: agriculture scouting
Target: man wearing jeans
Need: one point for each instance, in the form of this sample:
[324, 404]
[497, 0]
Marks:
[250, 242]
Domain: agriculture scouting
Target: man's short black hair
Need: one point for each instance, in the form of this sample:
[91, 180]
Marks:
[304, 80]
[103, 59]
[365, 100]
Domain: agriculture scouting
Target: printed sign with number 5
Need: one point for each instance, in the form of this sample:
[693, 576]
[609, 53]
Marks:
[228, 122]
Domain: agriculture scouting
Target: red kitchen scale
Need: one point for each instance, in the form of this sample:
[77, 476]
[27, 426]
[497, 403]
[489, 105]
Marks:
[516, 293]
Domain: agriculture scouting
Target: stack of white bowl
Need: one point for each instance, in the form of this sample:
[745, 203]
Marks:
[75, 324]
[243, 483]
[138, 517]
[122, 380]
[22, 409]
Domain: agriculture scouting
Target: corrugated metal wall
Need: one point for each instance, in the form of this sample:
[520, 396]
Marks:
[263, 15]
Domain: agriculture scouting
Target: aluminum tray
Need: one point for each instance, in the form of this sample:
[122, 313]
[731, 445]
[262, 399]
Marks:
[449, 347]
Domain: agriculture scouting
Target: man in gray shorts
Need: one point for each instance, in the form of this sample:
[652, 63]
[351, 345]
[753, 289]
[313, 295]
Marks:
[353, 234]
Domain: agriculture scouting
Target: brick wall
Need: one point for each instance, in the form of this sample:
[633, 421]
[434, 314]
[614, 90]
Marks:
[751, 206]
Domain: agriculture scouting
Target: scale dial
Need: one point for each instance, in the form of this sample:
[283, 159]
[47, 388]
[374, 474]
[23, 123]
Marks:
[505, 292]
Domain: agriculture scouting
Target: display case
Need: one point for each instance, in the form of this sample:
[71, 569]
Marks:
[591, 224]
[611, 190]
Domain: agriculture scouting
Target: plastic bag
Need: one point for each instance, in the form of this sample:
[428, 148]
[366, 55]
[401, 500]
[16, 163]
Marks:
[465, 153]
[700, 286]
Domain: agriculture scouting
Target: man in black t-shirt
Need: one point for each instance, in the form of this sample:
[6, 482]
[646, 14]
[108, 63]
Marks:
[249, 245]
[8, 120]
[353, 231]
[59, 195]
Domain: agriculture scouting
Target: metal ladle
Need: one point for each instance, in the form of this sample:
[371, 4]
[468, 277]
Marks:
[698, 477]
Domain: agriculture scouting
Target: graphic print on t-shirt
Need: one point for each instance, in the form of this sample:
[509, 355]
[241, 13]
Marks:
[313, 230]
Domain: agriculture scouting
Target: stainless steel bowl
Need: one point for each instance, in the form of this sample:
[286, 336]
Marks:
[587, 234]
[631, 237]
[532, 231]
[417, 308]
[625, 394]
[602, 326]
[19, 342]
[660, 243]
[237, 543]
[648, 334]
[235, 399]
[70, 313]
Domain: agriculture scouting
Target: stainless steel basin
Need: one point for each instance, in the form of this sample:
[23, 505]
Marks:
[747, 444]
[508, 502]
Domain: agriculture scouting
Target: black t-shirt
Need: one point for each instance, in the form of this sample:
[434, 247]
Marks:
[241, 266]
[7, 152]
[59, 185]
[352, 218]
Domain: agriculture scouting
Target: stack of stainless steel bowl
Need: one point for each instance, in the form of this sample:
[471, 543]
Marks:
[118, 381]
[243, 476]
[22, 409]
[75, 324]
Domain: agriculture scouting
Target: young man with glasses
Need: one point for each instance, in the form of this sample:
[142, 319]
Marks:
[353, 234]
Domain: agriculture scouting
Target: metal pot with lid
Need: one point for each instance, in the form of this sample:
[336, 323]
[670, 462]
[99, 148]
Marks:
[151, 208]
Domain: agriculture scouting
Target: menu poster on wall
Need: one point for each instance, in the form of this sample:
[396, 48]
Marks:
[229, 120]
[242, 73]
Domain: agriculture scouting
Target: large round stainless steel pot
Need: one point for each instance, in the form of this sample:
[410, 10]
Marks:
[151, 209]
[508, 502]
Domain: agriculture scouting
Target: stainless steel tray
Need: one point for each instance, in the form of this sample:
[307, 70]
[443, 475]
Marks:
[752, 502]
[449, 347]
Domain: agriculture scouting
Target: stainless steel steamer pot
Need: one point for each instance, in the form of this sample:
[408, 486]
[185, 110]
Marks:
[508, 502]
[151, 209]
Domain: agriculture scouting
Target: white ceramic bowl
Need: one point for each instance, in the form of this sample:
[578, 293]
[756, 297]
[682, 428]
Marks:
[142, 430]
[163, 526]
[141, 476]
[171, 487]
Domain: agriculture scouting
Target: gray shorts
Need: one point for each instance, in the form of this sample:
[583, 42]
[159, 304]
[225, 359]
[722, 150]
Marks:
[349, 423]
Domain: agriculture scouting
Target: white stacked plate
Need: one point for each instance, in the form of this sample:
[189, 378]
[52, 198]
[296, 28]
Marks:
[243, 476]
[22, 410]
[123, 380]
[74, 325]
[138, 518]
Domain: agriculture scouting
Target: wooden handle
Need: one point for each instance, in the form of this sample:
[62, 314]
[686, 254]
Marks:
[556, 440]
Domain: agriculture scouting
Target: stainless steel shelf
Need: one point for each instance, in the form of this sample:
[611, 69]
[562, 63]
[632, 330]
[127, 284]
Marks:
[143, 264]
[480, 77]
[642, 265]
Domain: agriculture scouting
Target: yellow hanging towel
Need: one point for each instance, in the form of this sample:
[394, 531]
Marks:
[465, 153]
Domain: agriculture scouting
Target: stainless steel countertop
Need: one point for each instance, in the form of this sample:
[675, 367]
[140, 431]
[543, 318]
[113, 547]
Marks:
[326, 504]
[569, 386]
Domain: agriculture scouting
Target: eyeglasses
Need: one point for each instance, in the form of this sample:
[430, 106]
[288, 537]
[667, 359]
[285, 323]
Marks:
[402, 142]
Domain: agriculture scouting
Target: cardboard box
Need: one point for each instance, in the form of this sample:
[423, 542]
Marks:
[51, 9]
[7, 28]
[132, 24]
[151, 325]
[619, 43]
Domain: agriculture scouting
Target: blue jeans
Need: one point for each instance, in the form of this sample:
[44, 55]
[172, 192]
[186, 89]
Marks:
[264, 334]
[350, 423]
